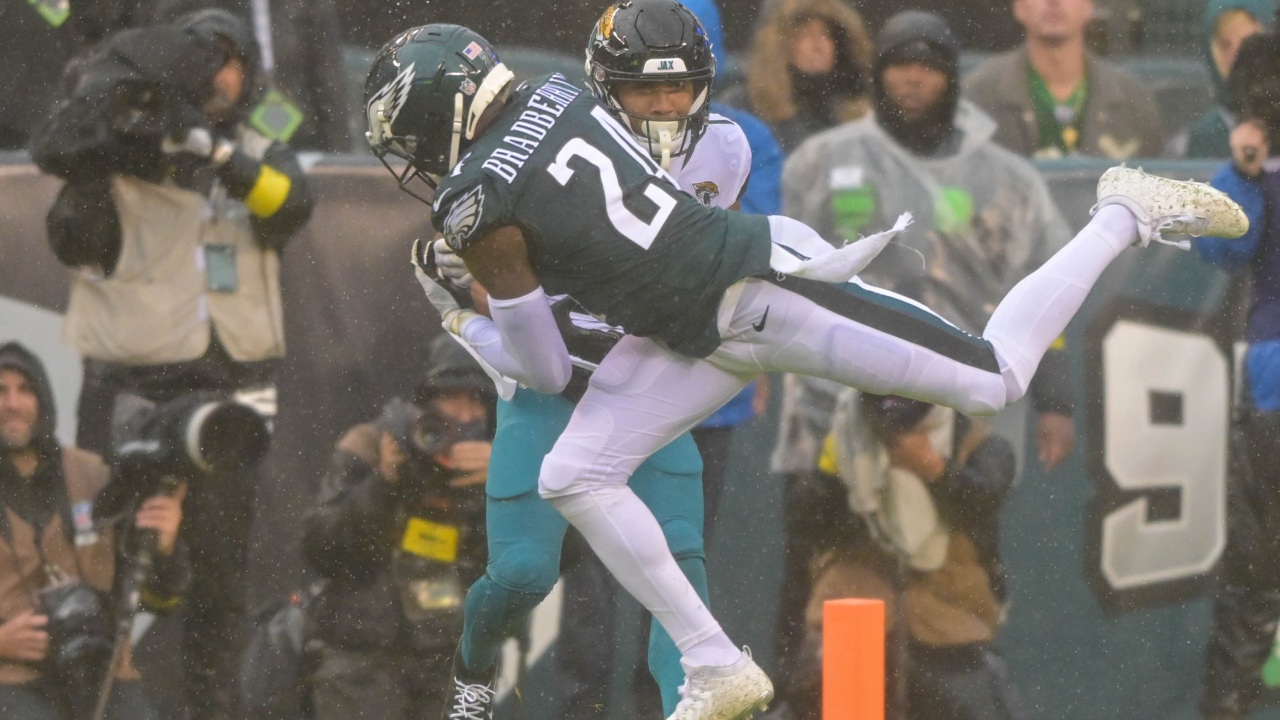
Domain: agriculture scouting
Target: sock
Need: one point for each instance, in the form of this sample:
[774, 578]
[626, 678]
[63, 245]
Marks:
[628, 540]
[664, 656]
[1036, 311]
[491, 614]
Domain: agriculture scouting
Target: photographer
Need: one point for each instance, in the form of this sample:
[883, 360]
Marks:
[53, 669]
[923, 486]
[399, 533]
[173, 216]
[1246, 599]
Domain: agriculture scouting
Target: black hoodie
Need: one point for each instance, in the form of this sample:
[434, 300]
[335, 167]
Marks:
[918, 37]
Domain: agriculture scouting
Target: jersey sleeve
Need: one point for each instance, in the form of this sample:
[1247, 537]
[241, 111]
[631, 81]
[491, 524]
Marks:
[468, 207]
[737, 155]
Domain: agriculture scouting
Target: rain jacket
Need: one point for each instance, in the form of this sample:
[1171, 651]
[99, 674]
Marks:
[1210, 136]
[771, 82]
[56, 505]
[360, 537]
[983, 220]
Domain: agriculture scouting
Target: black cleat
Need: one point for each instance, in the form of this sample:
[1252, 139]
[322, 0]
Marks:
[469, 697]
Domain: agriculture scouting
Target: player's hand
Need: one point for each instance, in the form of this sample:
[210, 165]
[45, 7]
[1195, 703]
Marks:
[452, 268]
[163, 513]
[448, 299]
[23, 637]
[1055, 437]
[1250, 146]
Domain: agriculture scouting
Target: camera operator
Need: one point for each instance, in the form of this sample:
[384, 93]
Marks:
[399, 533]
[51, 549]
[173, 216]
[924, 487]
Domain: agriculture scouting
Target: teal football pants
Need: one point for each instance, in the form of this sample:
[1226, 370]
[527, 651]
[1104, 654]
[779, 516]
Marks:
[525, 532]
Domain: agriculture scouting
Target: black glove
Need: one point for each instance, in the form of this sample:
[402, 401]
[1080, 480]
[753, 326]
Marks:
[583, 343]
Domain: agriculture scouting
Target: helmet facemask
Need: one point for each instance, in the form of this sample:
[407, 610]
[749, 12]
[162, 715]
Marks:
[664, 138]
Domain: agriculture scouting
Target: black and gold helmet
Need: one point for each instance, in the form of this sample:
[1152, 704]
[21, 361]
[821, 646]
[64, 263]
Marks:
[424, 96]
[653, 41]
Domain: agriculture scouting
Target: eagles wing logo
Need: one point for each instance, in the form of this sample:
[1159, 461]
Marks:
[706, 192]
[390, 100]
[463, 217]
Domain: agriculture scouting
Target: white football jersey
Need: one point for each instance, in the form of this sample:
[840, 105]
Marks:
[716, 171]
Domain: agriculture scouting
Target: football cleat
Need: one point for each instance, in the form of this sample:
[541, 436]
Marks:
[468, 698]
[732, 692]
[1163, 206]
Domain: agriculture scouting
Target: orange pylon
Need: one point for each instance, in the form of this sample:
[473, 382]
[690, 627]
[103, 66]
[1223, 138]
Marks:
[853, 660]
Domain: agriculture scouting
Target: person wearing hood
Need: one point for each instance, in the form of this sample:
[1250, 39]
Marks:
[983, 220]
[49, 535]
[808, 70]
[173, 217]
[399, 534]
[1226, 24]
[1052, 98]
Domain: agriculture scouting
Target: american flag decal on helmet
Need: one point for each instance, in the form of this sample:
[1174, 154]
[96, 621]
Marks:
[472, 51]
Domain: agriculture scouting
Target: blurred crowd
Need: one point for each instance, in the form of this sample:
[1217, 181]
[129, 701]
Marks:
[176, 130]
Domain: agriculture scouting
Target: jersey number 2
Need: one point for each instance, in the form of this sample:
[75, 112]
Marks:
[624, 221]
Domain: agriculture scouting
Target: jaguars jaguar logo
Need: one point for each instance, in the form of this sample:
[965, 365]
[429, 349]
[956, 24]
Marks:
[463, 217]
[706, 192]
[606, 22]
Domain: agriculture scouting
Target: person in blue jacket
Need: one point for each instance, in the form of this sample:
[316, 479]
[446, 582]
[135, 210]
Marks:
[1247, 597]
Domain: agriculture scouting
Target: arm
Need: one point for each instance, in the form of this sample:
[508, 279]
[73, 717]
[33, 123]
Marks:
[341, 537]
[522, 340]
[171, 569]
[83, 225]
[1241, 180]
[973, 493]
[274, 189]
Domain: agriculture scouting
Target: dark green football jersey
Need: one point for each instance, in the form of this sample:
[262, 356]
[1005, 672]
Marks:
[603, 222]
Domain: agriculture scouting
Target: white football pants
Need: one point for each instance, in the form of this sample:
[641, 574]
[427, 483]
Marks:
[643, 395]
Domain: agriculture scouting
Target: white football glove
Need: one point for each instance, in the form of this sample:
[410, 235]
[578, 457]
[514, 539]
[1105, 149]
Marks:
[451, 266]
[454, 316]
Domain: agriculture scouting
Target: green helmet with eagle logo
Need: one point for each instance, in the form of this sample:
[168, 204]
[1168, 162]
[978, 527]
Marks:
[424, 97]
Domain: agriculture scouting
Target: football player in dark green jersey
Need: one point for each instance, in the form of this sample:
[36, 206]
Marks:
[544, 188]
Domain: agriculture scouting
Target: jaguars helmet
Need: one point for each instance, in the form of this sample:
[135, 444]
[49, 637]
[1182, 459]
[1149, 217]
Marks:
[653, 41]
[424, 97]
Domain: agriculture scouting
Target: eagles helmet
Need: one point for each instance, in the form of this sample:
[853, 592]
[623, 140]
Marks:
[653, 41]
[424, 97]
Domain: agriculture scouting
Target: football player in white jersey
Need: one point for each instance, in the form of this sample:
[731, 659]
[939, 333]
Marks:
[709, 157]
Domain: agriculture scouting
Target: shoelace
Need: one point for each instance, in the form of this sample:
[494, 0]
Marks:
[1157, 233]
[470, 701]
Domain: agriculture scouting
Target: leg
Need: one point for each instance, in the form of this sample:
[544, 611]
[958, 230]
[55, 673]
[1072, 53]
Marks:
[669, 484]
[584, 650]
[525, 536]
[216, 524]
[128, 703]
[713, 444]
[883, 343]
[25, 702]
[358, 685]
[642, 397]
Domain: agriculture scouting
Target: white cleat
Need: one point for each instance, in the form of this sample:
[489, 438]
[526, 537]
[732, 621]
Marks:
[733, 692]
[1163, 206]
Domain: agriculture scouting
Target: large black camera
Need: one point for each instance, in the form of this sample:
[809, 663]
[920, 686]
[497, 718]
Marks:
[81, 631]
[427, 437]
[200, 435]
